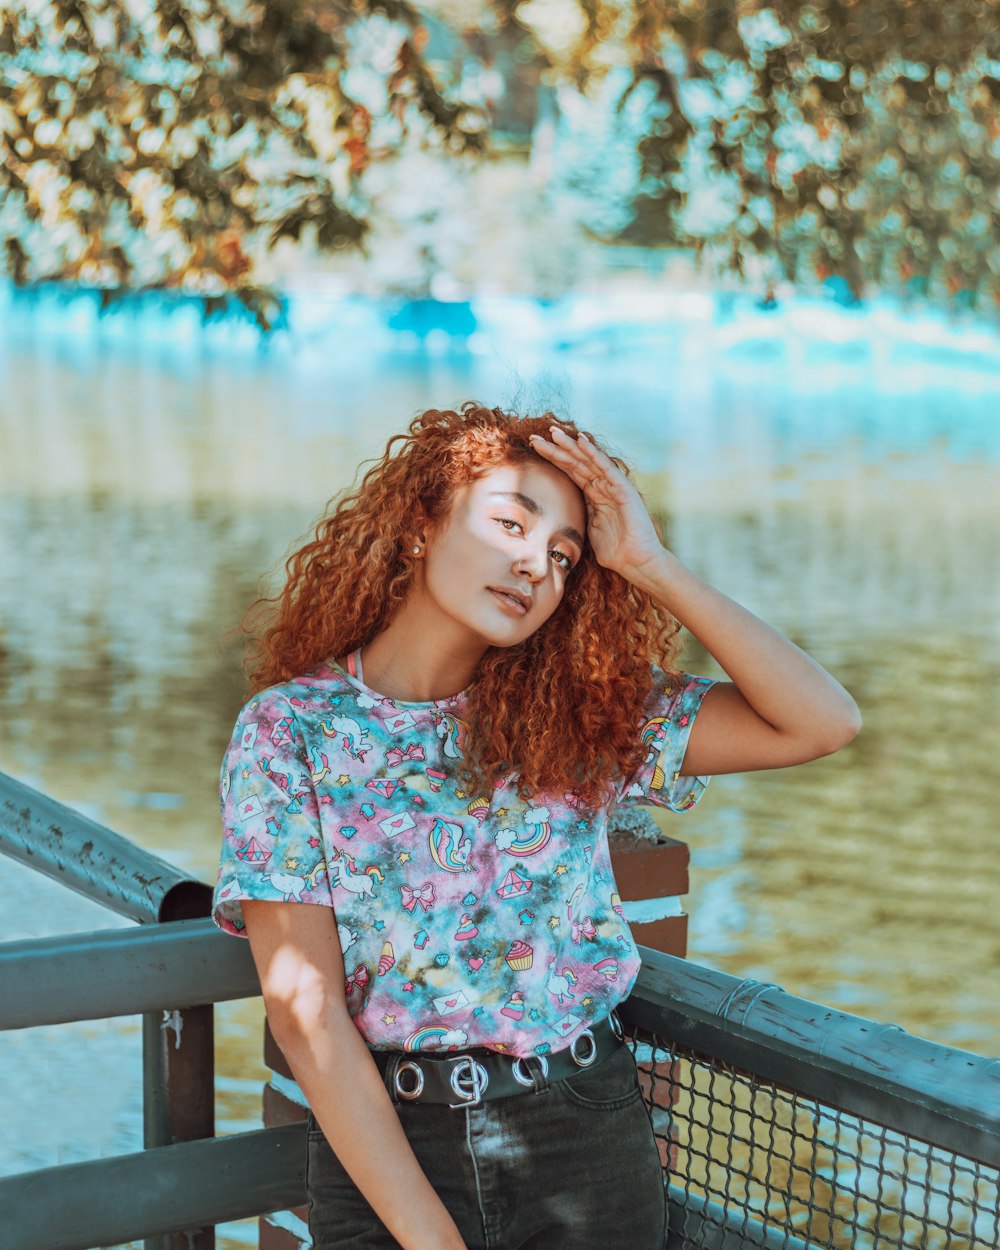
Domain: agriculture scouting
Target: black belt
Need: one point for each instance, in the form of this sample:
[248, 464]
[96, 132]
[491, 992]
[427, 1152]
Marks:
[466, 1078]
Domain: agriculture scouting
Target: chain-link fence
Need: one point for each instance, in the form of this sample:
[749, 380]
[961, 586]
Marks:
[893, 1143]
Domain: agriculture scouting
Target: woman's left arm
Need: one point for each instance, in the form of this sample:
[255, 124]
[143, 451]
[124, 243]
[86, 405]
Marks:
[780, 707]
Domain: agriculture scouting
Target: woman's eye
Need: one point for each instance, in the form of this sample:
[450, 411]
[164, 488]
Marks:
[561, 555]
[508, 523]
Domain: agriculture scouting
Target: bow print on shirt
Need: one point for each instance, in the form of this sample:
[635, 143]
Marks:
[358, 979]
[423, 894]
[396, 755]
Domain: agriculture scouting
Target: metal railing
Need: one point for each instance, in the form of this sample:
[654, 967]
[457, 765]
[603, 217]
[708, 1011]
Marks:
[781, 1122]
[784, 1123]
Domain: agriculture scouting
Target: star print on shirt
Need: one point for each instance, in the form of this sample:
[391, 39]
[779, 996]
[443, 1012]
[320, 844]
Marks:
[387, 1019]
[553, 922]
[561, 870]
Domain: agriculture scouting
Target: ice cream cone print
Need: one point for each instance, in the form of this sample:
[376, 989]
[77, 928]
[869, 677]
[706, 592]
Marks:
[435, 776]
[616, 904]
[480, 808]
[387, 959]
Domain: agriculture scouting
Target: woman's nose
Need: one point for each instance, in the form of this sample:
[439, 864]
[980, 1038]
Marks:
[532, 563]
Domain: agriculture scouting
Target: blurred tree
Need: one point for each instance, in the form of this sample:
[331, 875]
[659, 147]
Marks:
[166, 142]
[855, 140]
[173, 141]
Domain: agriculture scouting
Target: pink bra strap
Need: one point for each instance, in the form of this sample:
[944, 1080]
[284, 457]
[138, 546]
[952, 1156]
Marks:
[353, 662]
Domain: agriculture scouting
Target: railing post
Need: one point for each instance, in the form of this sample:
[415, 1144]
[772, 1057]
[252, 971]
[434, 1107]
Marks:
[155, 1111]
[178, 1068]
[178, 1072]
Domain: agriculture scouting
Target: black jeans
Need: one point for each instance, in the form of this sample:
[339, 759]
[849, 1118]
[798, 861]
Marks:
[573, 1166]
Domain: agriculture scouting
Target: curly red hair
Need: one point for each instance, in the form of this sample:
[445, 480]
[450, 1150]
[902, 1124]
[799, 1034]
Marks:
[561, 708]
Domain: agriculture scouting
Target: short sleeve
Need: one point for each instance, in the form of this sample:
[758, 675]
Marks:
[667, 721]
[272, 842]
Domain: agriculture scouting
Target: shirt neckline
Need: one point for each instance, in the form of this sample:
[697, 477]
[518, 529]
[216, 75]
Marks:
[355, 679]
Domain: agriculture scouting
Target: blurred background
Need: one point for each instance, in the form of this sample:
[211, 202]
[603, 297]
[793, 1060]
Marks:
[753, 248]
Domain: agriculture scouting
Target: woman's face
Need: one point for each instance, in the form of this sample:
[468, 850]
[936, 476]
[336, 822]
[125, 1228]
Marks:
[499, 563]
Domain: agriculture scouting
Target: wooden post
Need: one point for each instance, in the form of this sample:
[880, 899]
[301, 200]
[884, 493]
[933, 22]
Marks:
[654, 875]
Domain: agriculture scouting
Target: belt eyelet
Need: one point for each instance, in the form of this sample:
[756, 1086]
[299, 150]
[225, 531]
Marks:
[519, 1075]
[586, 1060]
[616, 1026]
[408, 1095]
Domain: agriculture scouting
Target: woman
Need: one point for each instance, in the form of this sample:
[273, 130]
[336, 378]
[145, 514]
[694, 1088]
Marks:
[469, 665]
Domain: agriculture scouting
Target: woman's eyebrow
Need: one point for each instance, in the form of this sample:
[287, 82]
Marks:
[529, 505]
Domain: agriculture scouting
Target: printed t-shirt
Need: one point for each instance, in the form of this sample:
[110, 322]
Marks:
[465, 919]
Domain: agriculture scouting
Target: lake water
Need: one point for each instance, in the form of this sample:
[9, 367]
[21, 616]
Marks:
[836, 471]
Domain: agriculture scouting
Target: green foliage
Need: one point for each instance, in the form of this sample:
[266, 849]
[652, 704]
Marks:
[857, 138]
[167, 142]
[172, 142]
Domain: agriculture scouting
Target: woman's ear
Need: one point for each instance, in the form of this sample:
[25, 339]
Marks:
[420, 528]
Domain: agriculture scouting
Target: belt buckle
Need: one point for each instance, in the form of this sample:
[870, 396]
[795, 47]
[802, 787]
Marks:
[468, 1080]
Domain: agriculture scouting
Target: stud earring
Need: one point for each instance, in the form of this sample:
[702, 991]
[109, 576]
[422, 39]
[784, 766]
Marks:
[416, 551]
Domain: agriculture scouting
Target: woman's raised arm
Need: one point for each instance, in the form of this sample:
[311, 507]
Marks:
[301, 967]
[780, 707]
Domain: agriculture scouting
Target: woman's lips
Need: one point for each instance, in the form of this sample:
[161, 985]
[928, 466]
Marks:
[508, 601]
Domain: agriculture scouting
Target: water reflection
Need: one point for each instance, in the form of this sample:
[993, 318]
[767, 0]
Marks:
[851, 500]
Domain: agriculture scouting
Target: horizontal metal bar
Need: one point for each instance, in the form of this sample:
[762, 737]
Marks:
[85, 856]
[189, 1185]
[122, 972]
[936, 1093]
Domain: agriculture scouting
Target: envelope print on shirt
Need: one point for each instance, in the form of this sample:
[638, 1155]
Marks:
[448, 1003]
[394, 825]
[398, 721]
[250, 807]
